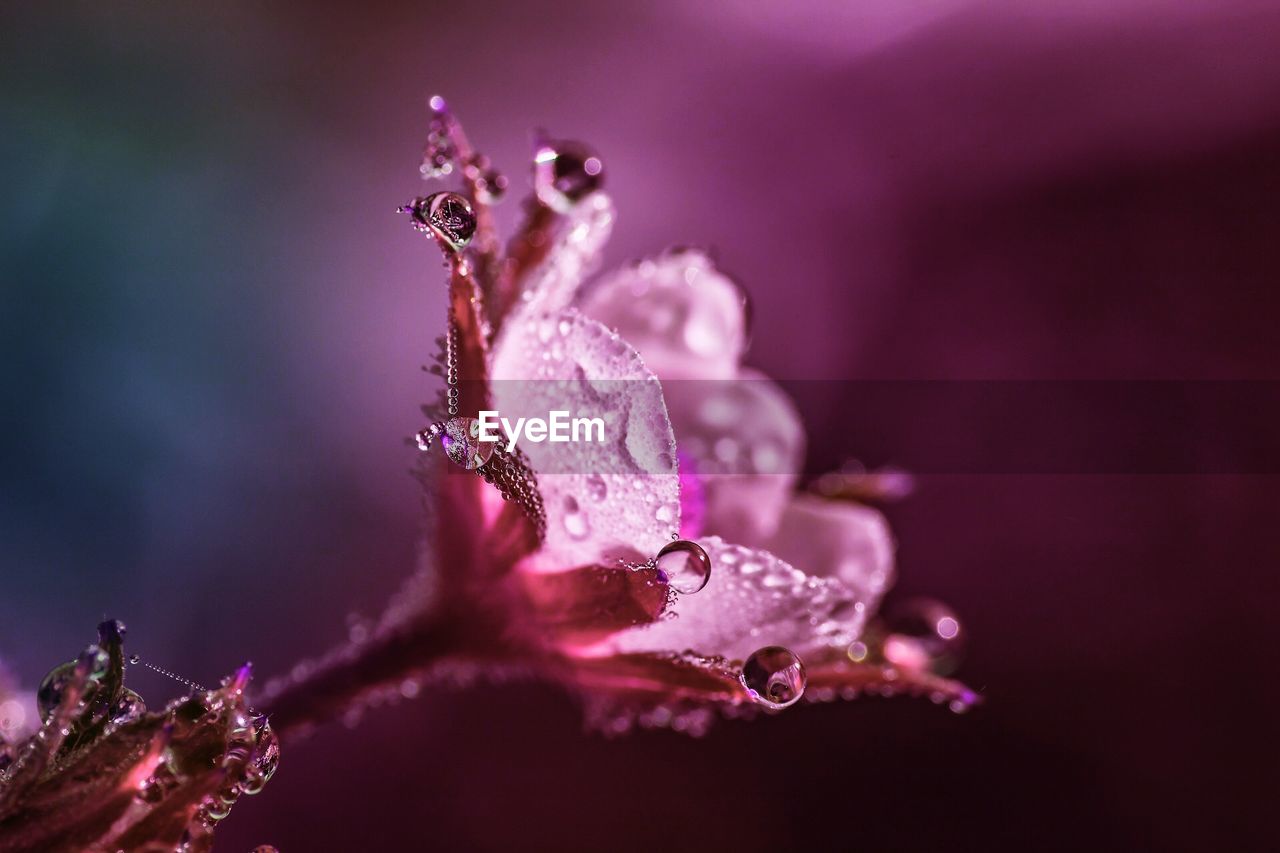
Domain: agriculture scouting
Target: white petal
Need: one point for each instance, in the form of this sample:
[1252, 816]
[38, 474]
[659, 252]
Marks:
[685, 317]
[578, 241]
[838, 539]
[619, 497]
[746, 443]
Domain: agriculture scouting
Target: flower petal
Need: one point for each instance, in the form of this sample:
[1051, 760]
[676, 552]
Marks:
[838, 539]
[603, 499]
[684, 316]
[552, 283]
[753, 599]
[746, 442]
[685, 692]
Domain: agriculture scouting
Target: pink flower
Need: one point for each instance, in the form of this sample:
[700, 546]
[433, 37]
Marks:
[702, 448]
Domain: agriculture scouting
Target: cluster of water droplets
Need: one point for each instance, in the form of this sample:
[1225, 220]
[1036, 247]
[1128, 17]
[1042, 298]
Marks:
[439, 152]
[442, 154]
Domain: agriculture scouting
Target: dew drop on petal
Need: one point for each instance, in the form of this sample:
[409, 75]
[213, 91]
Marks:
[49, 693]
[564, 173]
[462, 444]
[923, 635]
[575, 521]
[267, 753]
[128, 707]
[686, 565]
[774, 677]
[596, 487]
[446, 215]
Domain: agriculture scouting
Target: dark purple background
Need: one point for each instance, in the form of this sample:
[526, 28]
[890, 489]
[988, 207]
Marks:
[211, 323]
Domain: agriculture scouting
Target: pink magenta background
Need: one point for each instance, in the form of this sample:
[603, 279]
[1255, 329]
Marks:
[212, 322]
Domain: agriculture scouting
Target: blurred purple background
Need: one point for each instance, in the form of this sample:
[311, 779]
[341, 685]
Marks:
[211, 326]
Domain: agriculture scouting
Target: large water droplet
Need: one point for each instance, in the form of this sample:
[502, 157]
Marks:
[49, 693]
[686, 565]
[774, 677]
[923, 635]
[461, 443]
[446, 215]
[564, 173]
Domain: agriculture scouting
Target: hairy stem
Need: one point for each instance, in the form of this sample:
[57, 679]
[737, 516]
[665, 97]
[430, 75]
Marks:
[350, 673]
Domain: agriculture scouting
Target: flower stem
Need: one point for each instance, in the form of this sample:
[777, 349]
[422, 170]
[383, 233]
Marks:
[350, 674]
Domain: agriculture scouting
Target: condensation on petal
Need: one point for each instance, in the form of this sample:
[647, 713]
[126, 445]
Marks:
[553, 284]
[754, 599]
[838, 539]
[747, 444]
[619, 497]
[684, 316]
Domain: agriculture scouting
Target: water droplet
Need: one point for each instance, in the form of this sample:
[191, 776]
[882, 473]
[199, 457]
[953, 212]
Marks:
[266, 756]
[665, 514]
[215, 809]
[686, 565]
[596, 487]
[924, 635]
[774, 677]
[575, 521]
[564, 173]
[858, 651]
[49, 693]
[128, 707]
[461, 443]
[134, 659]
[446, 215]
